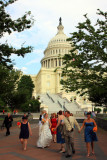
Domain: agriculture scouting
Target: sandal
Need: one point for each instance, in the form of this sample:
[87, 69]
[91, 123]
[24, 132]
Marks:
[93, 153]
[62, 152]
[88, 155]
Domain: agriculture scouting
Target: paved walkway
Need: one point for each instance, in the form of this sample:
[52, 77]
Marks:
[10, 147]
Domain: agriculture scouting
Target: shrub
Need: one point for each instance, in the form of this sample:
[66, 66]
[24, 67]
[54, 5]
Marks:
[98, 110]
[105, 110]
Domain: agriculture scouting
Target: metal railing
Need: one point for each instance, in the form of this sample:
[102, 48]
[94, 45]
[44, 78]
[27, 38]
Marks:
[62, 106]
[50, 98]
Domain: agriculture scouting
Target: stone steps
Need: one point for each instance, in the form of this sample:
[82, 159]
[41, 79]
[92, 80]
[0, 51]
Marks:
[56, 103]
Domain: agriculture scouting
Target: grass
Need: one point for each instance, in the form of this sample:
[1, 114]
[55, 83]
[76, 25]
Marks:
[1, 119]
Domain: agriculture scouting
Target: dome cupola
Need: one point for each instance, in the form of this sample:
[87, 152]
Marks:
[57, 46]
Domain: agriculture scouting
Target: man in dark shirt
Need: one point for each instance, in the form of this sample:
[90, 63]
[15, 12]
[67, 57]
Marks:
[8, 123]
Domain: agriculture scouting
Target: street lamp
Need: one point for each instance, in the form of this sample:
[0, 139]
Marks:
[29, 109]
[92, 107]
[64, 107]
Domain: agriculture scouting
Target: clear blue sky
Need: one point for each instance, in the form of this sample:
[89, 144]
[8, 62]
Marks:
[46, 14]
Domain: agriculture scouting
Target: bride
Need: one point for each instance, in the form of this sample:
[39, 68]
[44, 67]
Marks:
[45, 136]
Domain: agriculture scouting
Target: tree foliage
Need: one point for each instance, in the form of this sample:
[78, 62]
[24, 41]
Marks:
[16, 91]
[32, 105]
[8, 83]
[26, 86]
[86, 71]
[7, 25]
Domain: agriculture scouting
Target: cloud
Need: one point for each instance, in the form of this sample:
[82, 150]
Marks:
[39, 55]
[37, 60]
[46, 14]
[23, 69]
[16, 68]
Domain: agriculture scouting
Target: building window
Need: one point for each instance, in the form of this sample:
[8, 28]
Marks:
[48, 84]
[48, 76]
[56, 62]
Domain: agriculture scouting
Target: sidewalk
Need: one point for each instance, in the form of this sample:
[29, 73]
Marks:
[10, 147]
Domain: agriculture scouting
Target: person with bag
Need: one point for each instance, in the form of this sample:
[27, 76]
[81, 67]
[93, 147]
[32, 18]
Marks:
[90, 135]
[8, 123]
[69, 122]
[59, 129]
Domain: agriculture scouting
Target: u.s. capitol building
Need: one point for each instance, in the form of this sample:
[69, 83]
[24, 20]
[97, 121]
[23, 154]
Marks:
[47, 81]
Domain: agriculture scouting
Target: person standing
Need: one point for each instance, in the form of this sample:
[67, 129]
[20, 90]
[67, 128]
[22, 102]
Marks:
[14, 111]
[45, 136]
[59, 128]
[54, 124]
[41, 116]
[24, 116]
[3, 111]
[40, 119]
[69, 122]
[90, 135]
[8, 123]
[24, 132]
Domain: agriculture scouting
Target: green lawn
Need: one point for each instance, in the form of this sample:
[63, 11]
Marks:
[1, 119]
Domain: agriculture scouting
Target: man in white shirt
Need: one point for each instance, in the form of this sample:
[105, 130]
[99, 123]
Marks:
[69, 122]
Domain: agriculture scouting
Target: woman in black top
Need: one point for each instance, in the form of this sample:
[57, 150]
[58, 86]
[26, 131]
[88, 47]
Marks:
[24, 132]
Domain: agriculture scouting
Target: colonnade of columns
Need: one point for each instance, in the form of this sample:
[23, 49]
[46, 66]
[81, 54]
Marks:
[52, 63]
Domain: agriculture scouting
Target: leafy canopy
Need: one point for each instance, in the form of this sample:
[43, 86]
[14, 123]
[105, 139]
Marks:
[26, 85]
[86, 71]
[8, 83]
[7, 25]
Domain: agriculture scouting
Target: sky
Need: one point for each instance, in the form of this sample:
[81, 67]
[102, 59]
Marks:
[46, 14]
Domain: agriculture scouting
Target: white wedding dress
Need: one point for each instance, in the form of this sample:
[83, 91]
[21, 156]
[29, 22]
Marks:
[45, 135]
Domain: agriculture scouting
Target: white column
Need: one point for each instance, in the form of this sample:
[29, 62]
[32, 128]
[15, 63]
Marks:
[57, 62]
[54, 62]
[46, 63]
[61, 62]
[50, 63]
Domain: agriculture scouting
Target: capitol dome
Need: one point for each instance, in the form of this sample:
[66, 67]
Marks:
[57, 47]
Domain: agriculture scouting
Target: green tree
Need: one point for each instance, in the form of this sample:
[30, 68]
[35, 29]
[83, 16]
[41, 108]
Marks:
[33, 105]
[105, 110]
[26, 86]
[86, 71]
[7, 25]
[8, 83]
[98, 110]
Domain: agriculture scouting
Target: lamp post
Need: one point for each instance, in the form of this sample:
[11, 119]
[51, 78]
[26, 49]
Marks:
[64, 107]
[29, 109]
[92, 107]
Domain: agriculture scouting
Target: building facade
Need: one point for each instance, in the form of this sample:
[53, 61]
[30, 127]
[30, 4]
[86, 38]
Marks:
[48, 80]
[49, 76]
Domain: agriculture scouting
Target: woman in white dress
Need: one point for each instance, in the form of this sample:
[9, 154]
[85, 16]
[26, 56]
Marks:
[40, 120]
[45, 135]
